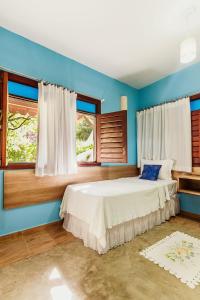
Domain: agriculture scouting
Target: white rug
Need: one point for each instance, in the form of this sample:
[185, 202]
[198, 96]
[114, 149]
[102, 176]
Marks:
[179, 253]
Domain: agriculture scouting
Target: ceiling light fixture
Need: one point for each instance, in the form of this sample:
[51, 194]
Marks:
[188, 47]
[188, 50]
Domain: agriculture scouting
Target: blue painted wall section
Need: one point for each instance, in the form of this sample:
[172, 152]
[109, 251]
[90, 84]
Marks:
[23, 56]
[190, 203]
[17, 219]
[185, 82]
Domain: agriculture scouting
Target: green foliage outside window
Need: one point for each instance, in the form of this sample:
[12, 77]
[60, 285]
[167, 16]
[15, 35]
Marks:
[82, 149]
[84, 142]
[83, 130]
[21, 138]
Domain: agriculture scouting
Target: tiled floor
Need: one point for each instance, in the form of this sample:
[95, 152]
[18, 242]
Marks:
[25, 244]
[66, 270]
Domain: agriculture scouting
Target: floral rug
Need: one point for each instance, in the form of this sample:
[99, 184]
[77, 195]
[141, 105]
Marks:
[179, 253]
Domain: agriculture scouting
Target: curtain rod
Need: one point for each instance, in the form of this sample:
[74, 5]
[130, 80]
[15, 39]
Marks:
[170, 101]
[44, 81]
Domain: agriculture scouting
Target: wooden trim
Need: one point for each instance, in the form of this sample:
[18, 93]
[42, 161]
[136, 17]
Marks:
[4, 119]
[196, 170]
[20, 166]
[41, 227]
[125, 135]
[98, 140]
[90, 100]
[19, 79]
[190, 215]
[195, 97]
[188, 183]
[98, 111]
[190, 192]
[178, 174]
[22, 80]
[89, 164]
[22, 187]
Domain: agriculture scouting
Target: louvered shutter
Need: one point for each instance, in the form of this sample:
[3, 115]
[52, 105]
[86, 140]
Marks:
[1, 111]
[196, 138]
[112, 137]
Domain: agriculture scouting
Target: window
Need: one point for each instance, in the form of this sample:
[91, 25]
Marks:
[87, 110]
[20, 121]
[99, 137]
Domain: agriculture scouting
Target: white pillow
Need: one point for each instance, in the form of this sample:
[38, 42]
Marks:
[165, 170]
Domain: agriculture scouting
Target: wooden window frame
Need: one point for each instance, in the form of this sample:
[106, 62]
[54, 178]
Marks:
[22, 80]
[4, 104]
[4, 118]
[5, 77]
[195, 97]
[98, 111]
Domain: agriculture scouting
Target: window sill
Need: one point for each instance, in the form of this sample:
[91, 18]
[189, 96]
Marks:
[92, 164]
[22, 166]
[19, 166]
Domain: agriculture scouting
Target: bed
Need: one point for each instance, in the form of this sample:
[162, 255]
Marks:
[106, 214]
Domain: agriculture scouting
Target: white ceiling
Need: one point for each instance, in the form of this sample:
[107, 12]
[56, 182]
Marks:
[135, 41]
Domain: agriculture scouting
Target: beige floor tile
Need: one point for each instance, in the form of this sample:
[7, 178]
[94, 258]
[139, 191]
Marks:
[71, 271]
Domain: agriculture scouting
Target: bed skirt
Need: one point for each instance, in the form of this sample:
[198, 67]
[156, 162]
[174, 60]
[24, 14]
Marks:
[121, 233]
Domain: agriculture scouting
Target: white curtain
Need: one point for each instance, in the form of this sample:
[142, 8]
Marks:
[164, 132]
[57, 131]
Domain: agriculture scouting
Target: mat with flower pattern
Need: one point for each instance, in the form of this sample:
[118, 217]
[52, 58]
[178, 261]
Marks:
[178, 253]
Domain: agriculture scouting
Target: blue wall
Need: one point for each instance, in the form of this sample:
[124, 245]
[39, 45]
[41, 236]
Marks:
[185, 82]
[182, 83]
[23, 56]
[190, 203]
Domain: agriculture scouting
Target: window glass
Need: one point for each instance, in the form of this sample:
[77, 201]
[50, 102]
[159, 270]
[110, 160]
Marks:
[86, 106]
[22, 90]
[86, 137]
[195, 105]
[22, 123]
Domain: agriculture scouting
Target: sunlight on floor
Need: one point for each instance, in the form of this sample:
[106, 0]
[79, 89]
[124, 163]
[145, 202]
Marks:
[61, 292]
[55, 274]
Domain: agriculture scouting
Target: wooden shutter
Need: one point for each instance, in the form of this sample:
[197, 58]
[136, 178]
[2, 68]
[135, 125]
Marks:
[196, 138]
[112, 137]
[1, 106]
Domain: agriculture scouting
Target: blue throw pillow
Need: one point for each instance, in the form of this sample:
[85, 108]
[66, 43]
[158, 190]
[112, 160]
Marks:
[150, 172]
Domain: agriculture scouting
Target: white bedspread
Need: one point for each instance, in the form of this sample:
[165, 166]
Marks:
[104, 204]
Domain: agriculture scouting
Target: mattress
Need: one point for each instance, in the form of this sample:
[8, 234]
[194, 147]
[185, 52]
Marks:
[104, 204]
